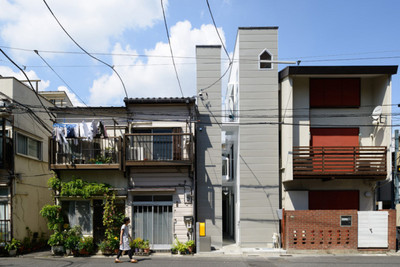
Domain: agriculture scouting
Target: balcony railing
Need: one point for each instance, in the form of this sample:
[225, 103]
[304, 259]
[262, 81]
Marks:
[340, 162]
[158, 149]
[80, 153]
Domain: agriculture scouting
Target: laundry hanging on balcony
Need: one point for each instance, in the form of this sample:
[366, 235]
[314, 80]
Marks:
[86, 130]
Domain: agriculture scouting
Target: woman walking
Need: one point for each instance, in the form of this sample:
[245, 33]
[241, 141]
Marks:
[124, 242]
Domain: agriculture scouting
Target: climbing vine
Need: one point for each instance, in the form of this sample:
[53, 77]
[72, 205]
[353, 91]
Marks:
[78, 187]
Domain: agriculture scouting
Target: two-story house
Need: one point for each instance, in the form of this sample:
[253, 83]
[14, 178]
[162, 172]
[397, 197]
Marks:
[145, 151]
[25, 125]
[336, 138]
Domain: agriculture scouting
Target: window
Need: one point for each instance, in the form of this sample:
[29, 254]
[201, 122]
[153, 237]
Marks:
[29, 147]
[5, 222]
[335, 92]
[156, 144]
[78, 213]
[265, 56]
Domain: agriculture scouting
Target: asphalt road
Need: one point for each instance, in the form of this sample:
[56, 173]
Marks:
[236, 261]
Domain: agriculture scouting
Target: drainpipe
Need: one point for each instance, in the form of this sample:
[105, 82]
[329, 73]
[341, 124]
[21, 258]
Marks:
[395, 172]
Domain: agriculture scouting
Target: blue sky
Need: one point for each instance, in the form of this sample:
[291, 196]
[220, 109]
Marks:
[340, 32]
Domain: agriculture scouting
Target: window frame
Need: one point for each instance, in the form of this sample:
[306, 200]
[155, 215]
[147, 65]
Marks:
[259, 60]
[27, 148]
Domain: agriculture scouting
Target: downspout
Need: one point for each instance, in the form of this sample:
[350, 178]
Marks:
[280, 154]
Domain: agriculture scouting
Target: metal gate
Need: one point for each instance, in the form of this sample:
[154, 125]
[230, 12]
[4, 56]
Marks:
[153, 221]
[373, 229]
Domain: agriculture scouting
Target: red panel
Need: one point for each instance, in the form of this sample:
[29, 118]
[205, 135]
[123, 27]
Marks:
[333, 200]
[351, 92]
[335, 92]
[334, 136]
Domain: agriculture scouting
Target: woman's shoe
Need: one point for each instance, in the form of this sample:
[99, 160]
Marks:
[133, 261]
[117, 261]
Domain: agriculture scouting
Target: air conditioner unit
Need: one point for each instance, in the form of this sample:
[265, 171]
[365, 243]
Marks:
[225, 169]
[136, 153]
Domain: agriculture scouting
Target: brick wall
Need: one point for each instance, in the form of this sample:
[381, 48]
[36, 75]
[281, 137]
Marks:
[320, 229]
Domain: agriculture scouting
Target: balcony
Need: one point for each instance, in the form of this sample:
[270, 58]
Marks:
[159, 149]
[339, 162]
[78, 153]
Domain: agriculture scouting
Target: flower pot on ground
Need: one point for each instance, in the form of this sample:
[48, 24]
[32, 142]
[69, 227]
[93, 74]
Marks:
[72, 238]
[56, 241]
[86, 245]
[190, 246]
[12, 246]
[146, 246]
[109, 246]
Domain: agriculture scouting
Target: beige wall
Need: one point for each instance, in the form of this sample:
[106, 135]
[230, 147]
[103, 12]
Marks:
[30, 191]
[375, 91]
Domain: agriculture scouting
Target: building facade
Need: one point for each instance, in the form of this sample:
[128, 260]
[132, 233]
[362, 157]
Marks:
[24, 129]
[145, 153]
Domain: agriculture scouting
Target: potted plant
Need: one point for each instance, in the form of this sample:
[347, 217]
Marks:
[190, 246]
[179, 247]
[12, 247]
[146, 246]
[72, 238]
[136, 244]
[56, 241]
[86, 245]
[109, 246]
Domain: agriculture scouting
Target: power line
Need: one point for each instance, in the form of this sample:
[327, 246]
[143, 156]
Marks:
[170, 48]
[26, 76]
[123, 85]
[60, 77]
[216, 29]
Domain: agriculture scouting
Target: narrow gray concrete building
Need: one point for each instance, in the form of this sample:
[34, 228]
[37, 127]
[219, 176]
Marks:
[238, 142]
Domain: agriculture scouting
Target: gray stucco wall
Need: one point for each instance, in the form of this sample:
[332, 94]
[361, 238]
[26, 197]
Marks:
[259, 142]
[208, 150]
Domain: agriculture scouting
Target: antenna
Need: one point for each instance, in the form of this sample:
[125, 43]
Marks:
[376, 115]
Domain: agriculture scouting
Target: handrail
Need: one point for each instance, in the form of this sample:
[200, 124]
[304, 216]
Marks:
[339, 159]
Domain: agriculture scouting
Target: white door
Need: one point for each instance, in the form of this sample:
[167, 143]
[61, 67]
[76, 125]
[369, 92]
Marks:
[373, 229]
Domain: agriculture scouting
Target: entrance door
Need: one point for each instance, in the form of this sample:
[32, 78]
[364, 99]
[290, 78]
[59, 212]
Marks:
[228, 214]
[98, 227]
[152, 220]
[373, 229]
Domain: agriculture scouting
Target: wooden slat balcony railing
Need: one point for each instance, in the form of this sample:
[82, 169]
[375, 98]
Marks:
[79, 153]
[340, 162]
[154, 149]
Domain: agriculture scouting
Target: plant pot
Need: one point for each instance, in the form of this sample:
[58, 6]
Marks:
[68, 251]
[57, 250]
[107, 251]
[84, 252]
[12, 252]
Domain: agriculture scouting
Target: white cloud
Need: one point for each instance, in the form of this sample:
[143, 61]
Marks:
[8, 72]
[91, 23]
[155, 77]
[73, 97]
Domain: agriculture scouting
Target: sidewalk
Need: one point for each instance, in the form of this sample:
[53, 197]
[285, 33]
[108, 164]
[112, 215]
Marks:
[234, 251]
